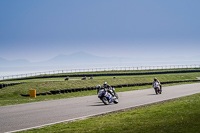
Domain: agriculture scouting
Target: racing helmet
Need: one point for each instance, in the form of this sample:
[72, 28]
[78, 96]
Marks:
[105, 84]
[98, 86]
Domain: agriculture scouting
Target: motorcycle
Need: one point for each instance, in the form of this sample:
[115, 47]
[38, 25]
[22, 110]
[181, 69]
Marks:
[157, 87]
[106, 97]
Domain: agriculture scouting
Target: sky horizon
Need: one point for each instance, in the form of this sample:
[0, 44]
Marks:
[42, 29]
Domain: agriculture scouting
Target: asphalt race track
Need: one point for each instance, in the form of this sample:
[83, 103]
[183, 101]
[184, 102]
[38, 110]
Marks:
[26, 116]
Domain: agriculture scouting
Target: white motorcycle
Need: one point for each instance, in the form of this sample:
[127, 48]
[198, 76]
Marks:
[106, 97]
[157, 87]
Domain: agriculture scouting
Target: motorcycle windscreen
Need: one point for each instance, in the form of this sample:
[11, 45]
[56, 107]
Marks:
[156, 85]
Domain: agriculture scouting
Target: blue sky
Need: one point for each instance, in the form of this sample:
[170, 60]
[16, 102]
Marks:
[38, 30]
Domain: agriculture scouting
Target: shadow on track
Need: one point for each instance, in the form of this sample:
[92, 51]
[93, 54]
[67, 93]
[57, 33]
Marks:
[100, 104]
[151, 94]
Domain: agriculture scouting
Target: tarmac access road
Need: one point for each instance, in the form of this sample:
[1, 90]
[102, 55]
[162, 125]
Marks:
[33, 115]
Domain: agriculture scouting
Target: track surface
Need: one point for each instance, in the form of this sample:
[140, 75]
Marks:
[25, 116]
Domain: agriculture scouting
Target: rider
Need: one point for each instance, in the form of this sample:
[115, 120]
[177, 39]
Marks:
[98, 88]
[156, 80]
[109, 88]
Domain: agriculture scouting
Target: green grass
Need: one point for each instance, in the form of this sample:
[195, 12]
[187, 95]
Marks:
[11, 95]
[178, 116]
[98, 72]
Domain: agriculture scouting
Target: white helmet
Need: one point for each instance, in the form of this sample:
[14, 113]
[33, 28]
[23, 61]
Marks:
[98, 86]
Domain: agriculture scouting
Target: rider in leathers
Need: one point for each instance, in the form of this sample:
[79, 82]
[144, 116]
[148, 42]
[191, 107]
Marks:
[156, 80]
[109, 89]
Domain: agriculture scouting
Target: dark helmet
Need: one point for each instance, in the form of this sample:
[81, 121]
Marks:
[155, 79]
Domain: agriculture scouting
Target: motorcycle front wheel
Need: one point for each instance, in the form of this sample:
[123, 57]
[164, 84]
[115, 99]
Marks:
[156, 90]
[105, 100]
[116, 101]
[116, 96]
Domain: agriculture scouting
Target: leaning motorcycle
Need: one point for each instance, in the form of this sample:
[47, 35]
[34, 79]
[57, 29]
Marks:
[157, 88]
[106, 97]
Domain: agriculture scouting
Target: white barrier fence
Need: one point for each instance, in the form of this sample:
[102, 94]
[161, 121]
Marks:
[100, 69]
